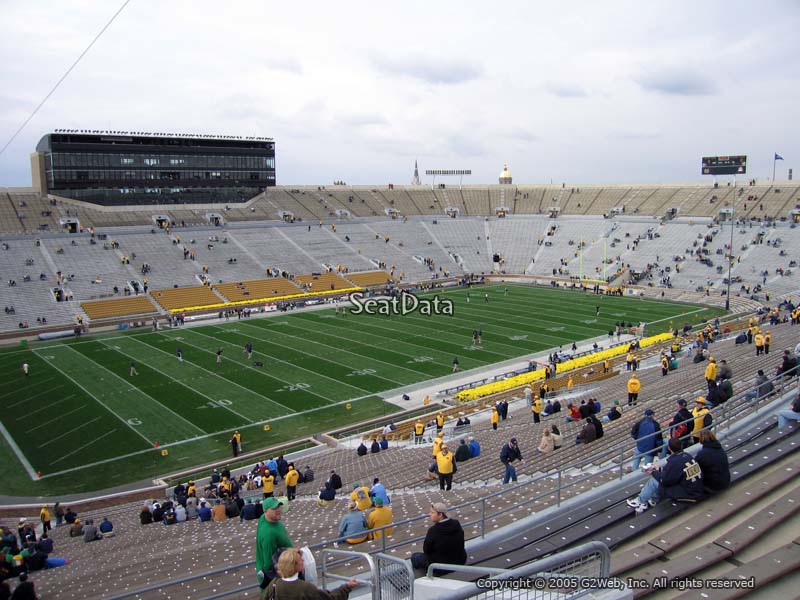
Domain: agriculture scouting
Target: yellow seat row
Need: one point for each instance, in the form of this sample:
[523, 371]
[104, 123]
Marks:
[118, 307]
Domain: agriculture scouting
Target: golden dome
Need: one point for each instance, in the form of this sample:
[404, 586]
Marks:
[506, 174]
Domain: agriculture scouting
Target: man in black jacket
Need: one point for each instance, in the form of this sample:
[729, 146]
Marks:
[713, 463]
[444, 542]
[680, 479]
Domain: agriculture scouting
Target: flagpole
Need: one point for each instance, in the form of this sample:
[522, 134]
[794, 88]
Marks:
[774, 162]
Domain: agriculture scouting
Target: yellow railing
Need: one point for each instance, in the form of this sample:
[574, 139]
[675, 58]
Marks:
[495, 387]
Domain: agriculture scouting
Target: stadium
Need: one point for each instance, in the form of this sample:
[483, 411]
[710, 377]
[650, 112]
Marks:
[190, 346]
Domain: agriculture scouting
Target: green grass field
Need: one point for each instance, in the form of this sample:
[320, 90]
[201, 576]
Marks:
[85, 423]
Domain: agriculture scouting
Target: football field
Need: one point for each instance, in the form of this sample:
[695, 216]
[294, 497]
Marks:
[85, 422]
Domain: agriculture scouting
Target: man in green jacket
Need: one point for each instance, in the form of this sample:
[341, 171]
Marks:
[270, 536]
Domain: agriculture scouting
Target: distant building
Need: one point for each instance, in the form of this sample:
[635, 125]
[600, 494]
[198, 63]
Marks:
[415, 180]
[505, 175]
[119, 169]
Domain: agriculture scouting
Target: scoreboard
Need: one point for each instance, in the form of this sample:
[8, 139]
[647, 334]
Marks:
[724, 165]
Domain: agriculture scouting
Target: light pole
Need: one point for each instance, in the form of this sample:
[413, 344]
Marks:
[730, 251]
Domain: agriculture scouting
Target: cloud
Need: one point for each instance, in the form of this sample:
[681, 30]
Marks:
[287, 64]
[636, 135]
[676, 82]
[446, 72]
[566, 90]
[520, 135]
[361, 120]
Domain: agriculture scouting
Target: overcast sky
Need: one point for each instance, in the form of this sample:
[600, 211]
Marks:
[617, 91]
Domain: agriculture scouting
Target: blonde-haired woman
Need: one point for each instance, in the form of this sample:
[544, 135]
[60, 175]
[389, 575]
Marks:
[288, 585]
[546, 446]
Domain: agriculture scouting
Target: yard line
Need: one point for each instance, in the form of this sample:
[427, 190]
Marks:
[33, 384]
[680, 316]
[34, 396]
[94, 441]
[297, 337]
[335, 330]
[20, 456]
[66, 433]
[56, 418]
[278, 332]
[38, 410]
[290, 365]
[429, 349]
[277, 405]
[133, 387]
[260, 372]
[183, 384]
[96, 399]
[200, 437]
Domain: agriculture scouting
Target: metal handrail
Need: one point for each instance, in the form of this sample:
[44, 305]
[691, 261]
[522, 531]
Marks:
[546, 565]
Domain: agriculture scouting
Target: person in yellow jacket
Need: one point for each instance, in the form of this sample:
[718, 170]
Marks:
[268, 485]
[767, 341]
[437, 445]
[664, 365]
[606, 366]
[439, 422]
[44, 517]
[380, 516]
[360, 496]
[419, 431]
[445, 465]
[570, 382]
[292, 477]
[634, 387]
[702, 418]
[759, 340]
[495, 419]
[238, 437]
[629, 361]
[711, 372]
[536, 408]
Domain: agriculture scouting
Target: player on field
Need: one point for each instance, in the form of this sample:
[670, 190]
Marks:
[179, 353]
[133, 369]
[25, 369]
[455, 364]
[219, 355]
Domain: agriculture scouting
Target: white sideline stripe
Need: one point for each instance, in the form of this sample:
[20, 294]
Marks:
[183, 384]
[38, 410]
[133, 387]
[81, 407]
[101, 403]
[34, 383]
[94, 441]
[29, 398]
[20, 456]
[66, 433]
